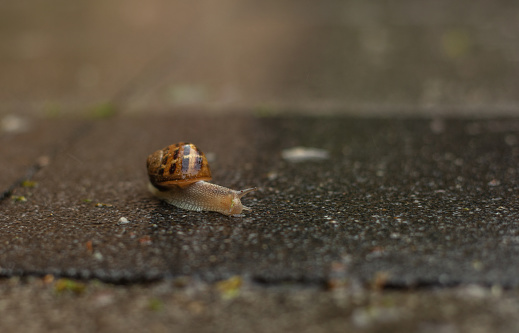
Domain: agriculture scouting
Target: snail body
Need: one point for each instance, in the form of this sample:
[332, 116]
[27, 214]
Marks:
[178, 175]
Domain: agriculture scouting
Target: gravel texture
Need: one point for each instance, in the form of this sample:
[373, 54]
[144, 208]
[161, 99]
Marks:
[237, 305]
[415, 202]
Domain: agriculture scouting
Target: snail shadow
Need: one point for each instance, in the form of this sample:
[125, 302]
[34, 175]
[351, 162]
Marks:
[166, 219]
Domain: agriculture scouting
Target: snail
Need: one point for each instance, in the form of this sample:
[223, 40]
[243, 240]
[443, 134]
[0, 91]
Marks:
[178, 175]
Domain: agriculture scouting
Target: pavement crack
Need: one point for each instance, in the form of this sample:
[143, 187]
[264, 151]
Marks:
[31, 171]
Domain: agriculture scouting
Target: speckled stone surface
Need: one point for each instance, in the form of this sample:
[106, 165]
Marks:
[417, 202]
[27, 143]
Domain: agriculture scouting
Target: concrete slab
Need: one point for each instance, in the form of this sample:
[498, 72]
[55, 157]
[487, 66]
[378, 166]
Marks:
[26, 144]
[399, 203]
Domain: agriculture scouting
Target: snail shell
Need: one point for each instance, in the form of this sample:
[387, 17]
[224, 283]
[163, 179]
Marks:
[178, 164]
[179, 173]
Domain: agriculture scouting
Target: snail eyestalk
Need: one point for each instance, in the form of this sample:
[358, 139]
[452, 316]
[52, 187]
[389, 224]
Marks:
[243, 192]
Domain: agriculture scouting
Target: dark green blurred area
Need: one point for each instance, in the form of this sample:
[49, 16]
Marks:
[349, 57]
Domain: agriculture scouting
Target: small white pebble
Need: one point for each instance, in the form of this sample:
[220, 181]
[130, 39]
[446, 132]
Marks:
[13, 124]
[272, 175]
[303, 154]
[123, 220]
[98, 256]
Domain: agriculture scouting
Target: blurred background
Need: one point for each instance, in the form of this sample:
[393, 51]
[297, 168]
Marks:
[416, 57]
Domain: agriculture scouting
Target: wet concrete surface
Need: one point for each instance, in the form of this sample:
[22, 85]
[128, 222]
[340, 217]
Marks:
[38, 140]
[426, 206]
[417, 202]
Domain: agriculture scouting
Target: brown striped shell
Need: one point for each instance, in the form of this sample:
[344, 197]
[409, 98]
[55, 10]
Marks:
[177, 165]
